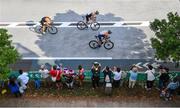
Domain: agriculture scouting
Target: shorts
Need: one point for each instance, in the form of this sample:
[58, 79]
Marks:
[100, 37]
[87, 17]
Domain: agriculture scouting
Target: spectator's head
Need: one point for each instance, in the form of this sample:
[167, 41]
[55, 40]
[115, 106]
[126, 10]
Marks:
[134, 69]
[42, 67]
[150, 67]
[80, 67]
[107, 68]
[118, 69]
[166, 69]
[175, 80]
[20, 71]
[54, 67]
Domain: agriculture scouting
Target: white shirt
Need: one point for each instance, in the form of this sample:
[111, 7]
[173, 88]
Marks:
[117, 76]
[150, 75]
[44, 73]
[23, 78]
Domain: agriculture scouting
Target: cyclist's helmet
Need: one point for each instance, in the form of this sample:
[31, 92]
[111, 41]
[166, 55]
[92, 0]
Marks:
[97, 12]
[109, 31]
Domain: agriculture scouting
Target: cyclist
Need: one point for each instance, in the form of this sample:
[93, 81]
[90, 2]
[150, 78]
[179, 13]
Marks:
[45, 22]
[91, 16]
[104, 34]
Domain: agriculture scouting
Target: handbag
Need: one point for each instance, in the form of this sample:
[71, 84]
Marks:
[54, 78]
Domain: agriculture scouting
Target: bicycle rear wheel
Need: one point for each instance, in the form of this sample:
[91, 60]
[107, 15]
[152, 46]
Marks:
[108, 45]
[81, 25]
[52, 30]
[95, 26]
[93, 44]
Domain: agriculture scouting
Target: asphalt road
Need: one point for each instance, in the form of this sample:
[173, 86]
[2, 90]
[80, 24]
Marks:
[130, 42]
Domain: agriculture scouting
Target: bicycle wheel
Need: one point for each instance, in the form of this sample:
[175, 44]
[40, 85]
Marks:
[95, 26]
[108, 45]
[52, 30]
[93, 44]
[38, 29]
[81, 25]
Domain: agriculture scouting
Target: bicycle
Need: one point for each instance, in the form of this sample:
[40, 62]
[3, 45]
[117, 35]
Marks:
[51, 29]
[81, 25]
[108, 44]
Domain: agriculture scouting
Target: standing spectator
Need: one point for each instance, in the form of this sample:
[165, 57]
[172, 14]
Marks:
[45, 75]
[13, 86]
[150, 77]
[56, 73]
[117, 77]
[164, 77]
[95, 74]
[23, 80]
[107, 74]
[133, 76]
[80, 75]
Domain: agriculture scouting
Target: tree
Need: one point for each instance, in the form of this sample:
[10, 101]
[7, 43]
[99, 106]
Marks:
[8, 54]
[167, 40]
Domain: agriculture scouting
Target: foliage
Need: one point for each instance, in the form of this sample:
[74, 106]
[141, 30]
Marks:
[167, 40]
[8, 54]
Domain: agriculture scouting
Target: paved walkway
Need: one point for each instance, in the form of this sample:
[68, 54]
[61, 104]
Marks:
[87, 102]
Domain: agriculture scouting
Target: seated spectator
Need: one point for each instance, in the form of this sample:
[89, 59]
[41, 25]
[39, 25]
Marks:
[117, 76]
[133, 76]
[56, 74]
[150, 77]
[14, 87]
[23, 80]
[169, 90]
[80, 75]
[45, 75]
[107, 74]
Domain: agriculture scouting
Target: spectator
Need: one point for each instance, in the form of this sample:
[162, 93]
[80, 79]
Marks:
[56, 74]
[95, 74]
[164, 77]
[117, 76]
[69, 78]
[133, 77]
[13, 86]
[45, 75]
[169, 90]
[150, 77]
[107, 74]
[23, 80]
[80, 75]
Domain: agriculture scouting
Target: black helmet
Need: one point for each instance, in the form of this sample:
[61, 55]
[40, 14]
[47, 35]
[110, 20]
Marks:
[109, 31]
[97, 12]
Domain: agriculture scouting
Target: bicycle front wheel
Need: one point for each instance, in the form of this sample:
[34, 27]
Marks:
[93, 44]
[52, 30]
[81, 25]
[108, 45]
[95, 26]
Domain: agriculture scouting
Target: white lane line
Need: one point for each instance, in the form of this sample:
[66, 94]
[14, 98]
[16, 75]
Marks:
[73, 24]
[67, 58]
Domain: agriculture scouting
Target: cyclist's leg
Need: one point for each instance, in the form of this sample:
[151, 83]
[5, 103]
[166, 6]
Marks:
[100, 40]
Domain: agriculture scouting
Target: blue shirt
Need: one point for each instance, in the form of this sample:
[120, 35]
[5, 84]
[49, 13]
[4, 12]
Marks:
[133, 75]
[173, 85]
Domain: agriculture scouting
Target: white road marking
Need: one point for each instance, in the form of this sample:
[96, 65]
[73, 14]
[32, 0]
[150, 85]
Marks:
[68, 24]
[67, 58]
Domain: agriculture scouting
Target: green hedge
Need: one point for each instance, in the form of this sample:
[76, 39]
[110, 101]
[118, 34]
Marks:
[141, 75]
